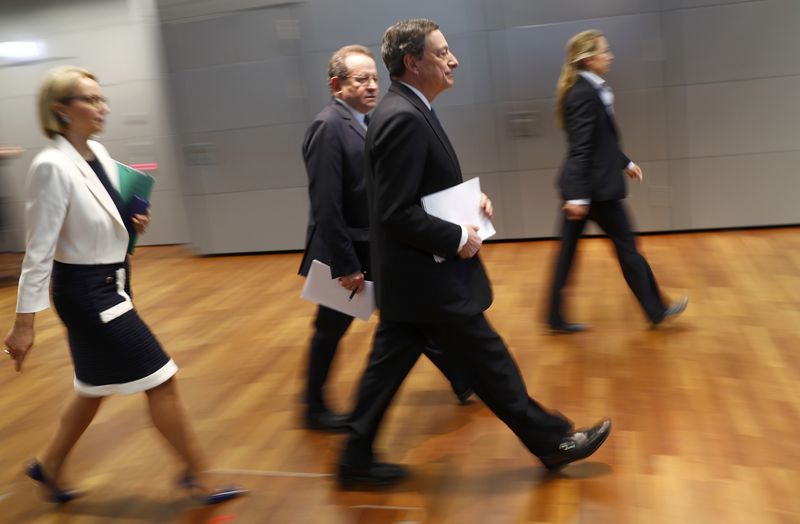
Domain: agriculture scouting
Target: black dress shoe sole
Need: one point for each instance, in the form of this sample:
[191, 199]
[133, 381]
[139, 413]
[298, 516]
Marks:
[366, 483]
[359, 480]
[558, 330]
[327, 428]
[589, 451]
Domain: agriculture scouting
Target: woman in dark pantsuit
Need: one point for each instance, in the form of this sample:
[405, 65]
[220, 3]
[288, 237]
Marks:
[592, 183]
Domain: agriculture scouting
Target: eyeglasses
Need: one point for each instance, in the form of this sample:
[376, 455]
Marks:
[364, 79]
[95, 100]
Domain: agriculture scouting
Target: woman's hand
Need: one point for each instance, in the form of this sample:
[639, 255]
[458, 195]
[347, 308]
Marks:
[140, 222]
[19, 340]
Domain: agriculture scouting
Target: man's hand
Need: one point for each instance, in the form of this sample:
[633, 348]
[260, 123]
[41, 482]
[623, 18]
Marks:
[473, 244]
[635, 172]
[575, 211]
[354, 282]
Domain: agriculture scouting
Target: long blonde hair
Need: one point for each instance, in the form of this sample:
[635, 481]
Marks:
[579, 48]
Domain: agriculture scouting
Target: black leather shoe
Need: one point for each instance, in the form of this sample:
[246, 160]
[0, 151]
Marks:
[464, 396]
[371, 475]
[674, 309]
[577, 445]
[327, 421]
[566, 328]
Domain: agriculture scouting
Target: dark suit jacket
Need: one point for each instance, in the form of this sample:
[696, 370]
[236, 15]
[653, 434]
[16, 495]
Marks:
[408, 156]
[594, 164]
[338, 222]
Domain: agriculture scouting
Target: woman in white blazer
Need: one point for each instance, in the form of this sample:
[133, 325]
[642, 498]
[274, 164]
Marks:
[77, 233]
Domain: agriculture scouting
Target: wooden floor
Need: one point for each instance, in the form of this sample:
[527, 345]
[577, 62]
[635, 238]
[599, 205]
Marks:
[706, 411]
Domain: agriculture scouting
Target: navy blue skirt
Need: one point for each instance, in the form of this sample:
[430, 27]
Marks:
[112, 349]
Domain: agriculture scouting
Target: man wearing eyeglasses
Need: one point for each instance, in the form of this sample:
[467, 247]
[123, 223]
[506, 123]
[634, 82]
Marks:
[338, 225]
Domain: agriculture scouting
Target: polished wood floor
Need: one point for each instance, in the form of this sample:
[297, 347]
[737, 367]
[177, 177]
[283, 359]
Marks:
[706, 411]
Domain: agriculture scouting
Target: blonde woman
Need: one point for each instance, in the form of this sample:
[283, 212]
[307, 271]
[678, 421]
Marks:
[592, 181]
[77, 231]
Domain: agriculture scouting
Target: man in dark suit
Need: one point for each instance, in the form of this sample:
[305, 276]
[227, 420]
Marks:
[421, 297]
[592, 182]
[338, 233]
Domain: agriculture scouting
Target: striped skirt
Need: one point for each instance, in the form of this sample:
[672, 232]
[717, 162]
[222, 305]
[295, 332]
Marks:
[113, 350]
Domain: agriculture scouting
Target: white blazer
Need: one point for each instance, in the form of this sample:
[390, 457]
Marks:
[69, 217]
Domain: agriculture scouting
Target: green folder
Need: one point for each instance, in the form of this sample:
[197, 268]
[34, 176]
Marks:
[133, 182]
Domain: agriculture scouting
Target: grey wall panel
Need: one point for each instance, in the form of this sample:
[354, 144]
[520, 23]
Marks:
[471, 131]
[686, 4]
[22, 19]
[738, 117]
[761, 188]
[179, 10]
[138, 110]
[235, 96]
[529, 206]
[641, 117]
[514, 13]
[365, 21]
[528, 137]
[536, 54]
[168, 224]
[136, 42]
[681, 202]
[730, 42]
[21, 121]
[649, 200]
[244, 36]
[253, 159]
[253, 221]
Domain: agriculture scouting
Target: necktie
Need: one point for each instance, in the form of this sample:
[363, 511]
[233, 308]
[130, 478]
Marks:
[436, 118]
[366, 120]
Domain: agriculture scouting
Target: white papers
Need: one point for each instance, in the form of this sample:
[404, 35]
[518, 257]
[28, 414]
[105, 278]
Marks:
[460, 205]
[327, 291]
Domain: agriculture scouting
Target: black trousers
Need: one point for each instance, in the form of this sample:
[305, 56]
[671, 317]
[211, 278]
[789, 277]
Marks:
[613, 220]
[480, 352]
[330, 326]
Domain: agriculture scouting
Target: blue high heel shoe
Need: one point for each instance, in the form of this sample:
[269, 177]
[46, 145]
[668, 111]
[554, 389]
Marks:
[35, 471]
[218, 496]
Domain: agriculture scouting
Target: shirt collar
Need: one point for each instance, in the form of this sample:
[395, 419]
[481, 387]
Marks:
[418, 93]
[596, 80]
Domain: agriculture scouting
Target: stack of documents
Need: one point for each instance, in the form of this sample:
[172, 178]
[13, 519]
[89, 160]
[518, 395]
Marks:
[460, 205]
[327, 291]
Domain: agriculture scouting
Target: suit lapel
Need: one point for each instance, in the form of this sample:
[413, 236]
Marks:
[409, 95]
[90, 178]
[346, 115]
